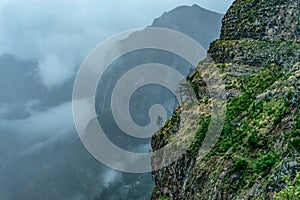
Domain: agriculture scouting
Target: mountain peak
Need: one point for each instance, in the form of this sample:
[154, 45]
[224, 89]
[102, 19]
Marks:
[200, 24]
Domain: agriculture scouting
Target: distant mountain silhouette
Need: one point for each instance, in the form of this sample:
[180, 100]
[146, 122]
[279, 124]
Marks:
[200, 24]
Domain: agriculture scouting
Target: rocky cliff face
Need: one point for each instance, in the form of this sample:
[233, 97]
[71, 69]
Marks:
[263, 19]
[258, 57]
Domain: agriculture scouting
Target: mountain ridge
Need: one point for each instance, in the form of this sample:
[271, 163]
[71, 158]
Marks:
[204, 22]
[178, 19]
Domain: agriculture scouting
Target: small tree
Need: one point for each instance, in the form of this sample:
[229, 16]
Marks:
[159, 121]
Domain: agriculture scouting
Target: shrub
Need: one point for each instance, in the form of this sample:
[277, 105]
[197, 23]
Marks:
[292, 192]
[297, 125]
[200, 135]
[240, 165]
[295, 142]
[164, 198]
[253, 140]
[266, 163]
[225, 146]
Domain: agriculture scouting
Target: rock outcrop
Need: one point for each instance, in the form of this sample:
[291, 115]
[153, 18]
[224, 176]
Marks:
[258, 56]
[263, 20]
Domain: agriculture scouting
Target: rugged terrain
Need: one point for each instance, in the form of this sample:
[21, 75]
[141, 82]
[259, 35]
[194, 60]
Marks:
[257, 154]
[205, 27]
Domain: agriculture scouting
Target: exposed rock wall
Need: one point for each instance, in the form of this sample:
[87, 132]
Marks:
[258, 56]
[263, 19]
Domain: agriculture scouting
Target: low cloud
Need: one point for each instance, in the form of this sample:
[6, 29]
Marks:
[59, 34]
[51, 121]
[54, 72]
[38, 143]
[109, 176]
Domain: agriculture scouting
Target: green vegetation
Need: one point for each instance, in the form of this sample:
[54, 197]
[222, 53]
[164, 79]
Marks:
[254, 125]
[292, 192]
[261, 134]
[265, 163]
[253, 140]
[164, 198]
[295, 143]
[240, 165]
[199, 137]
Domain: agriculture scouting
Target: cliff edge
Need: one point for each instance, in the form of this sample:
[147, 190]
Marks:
[257, 154]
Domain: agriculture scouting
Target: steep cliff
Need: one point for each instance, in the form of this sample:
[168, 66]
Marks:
[206, 26]
[257, 154]
[263, 20]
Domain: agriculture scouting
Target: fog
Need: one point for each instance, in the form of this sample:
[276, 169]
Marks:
[59, 34]
[42, 45]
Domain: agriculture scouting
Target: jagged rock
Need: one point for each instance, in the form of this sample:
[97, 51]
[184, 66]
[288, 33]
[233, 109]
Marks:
[263, 20]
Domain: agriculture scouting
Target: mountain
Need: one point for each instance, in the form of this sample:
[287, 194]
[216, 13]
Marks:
[203, 26]
[200, 24]
[256, 155]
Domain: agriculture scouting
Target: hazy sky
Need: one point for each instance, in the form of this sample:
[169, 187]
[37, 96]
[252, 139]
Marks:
[59, 34]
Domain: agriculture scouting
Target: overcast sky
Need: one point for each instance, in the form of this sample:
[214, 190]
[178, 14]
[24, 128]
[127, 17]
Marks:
[59, 34]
